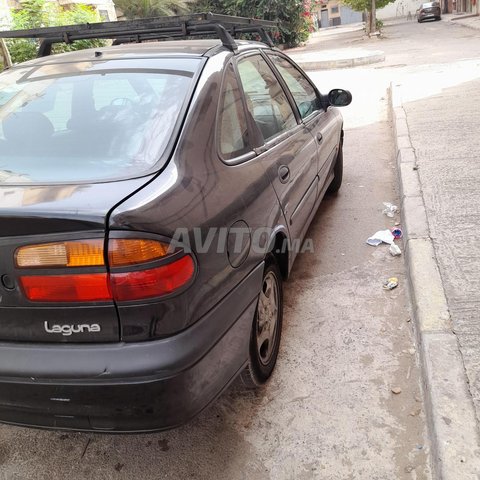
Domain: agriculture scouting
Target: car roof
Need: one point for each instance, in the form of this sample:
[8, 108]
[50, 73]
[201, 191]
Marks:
[187, 48]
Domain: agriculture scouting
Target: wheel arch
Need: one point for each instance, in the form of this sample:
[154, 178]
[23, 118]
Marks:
[279, 249]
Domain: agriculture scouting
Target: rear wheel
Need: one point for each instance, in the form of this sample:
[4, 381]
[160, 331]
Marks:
[334, 187]
[266, 329]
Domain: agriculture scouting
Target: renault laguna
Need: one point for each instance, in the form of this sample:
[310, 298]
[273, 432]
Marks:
[153, 197]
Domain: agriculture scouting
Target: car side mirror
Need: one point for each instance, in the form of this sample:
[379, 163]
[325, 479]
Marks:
[339, 97]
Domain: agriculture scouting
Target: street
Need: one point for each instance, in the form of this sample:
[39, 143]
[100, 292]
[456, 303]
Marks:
[346, 400]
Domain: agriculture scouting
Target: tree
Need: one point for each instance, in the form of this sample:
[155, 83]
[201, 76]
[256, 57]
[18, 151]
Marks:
[369, 6]
[151, 8]
[294, 15]
[42, 13]
[5, 59]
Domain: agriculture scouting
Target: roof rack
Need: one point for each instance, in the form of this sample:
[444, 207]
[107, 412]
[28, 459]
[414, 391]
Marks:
[225, 27]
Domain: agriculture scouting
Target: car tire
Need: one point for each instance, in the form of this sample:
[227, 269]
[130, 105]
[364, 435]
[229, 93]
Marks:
[334, 187]
[266, 329]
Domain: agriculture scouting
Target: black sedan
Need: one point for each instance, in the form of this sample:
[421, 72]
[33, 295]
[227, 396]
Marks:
[153, 199]
[429, 10]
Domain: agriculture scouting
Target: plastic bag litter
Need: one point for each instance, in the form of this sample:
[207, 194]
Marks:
[382, 236]
[390, 209]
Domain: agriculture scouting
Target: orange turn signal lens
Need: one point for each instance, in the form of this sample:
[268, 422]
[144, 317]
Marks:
[126, 251]
[81, 253]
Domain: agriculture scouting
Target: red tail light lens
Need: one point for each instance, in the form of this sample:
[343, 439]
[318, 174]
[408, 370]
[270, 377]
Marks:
[67, 288]
[143, 282]
[153, 282]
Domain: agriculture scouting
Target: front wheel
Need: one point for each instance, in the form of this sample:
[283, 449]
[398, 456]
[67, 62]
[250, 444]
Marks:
[334, 187]
[266, 329]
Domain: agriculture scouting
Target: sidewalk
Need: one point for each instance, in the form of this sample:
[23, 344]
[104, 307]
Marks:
[437, 154]
[468, 21]
[337, 47]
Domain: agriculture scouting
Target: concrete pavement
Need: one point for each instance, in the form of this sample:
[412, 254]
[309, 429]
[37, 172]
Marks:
[339, 58]
[435, 61]
[316, 55]
[433, 215]
[469, 21]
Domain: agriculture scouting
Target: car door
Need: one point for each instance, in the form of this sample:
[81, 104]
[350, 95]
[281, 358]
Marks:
[285, 143]
[321, 124]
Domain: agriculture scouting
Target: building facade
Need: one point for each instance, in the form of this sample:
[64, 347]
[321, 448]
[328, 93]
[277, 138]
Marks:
[330, 13]
[406, 8]
[5, 17]
[105, 8]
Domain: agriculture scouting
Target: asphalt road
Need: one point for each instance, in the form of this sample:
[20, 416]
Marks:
[329, 412]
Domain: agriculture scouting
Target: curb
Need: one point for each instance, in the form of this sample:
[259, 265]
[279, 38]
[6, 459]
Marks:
[329, 64]
[461, 17]
[451, 418]
[459, 21]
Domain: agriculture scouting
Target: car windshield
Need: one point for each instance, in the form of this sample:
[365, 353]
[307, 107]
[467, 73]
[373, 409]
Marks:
[90, 121]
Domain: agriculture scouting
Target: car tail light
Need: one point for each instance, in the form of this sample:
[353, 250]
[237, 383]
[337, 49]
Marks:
[139, 269]
[123, 251]
[153, 282]
[67, 288]
[83, 253]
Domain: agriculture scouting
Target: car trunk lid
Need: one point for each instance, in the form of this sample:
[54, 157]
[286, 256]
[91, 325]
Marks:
[35, 215]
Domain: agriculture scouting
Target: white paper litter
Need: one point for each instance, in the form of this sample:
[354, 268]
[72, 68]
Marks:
[382, 236]
[394, 250]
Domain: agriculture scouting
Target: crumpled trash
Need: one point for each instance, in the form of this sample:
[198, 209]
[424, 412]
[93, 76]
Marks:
[394, 250]
[382, 236]
[391, 283]
[390, 209]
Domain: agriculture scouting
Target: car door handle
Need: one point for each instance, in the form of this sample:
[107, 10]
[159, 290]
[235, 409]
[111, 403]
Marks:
[319, 137]
[284, 174]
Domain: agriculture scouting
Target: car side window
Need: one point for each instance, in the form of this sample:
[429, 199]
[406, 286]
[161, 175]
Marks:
[232, 121]
[302, 91]
[266, 100]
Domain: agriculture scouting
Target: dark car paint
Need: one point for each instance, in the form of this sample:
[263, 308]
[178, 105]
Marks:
[42, 214]
[432, 11]
[195, 189]
[122, 387]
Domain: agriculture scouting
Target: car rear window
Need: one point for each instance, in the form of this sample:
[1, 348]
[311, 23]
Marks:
[90, 121]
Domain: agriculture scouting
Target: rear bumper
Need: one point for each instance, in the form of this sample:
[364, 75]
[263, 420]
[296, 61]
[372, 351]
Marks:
[423, 16]
[146, 386]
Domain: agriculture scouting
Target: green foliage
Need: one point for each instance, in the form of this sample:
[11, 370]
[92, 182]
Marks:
[294, 15]
[41, 13]
[362, 5]
[151, 8]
